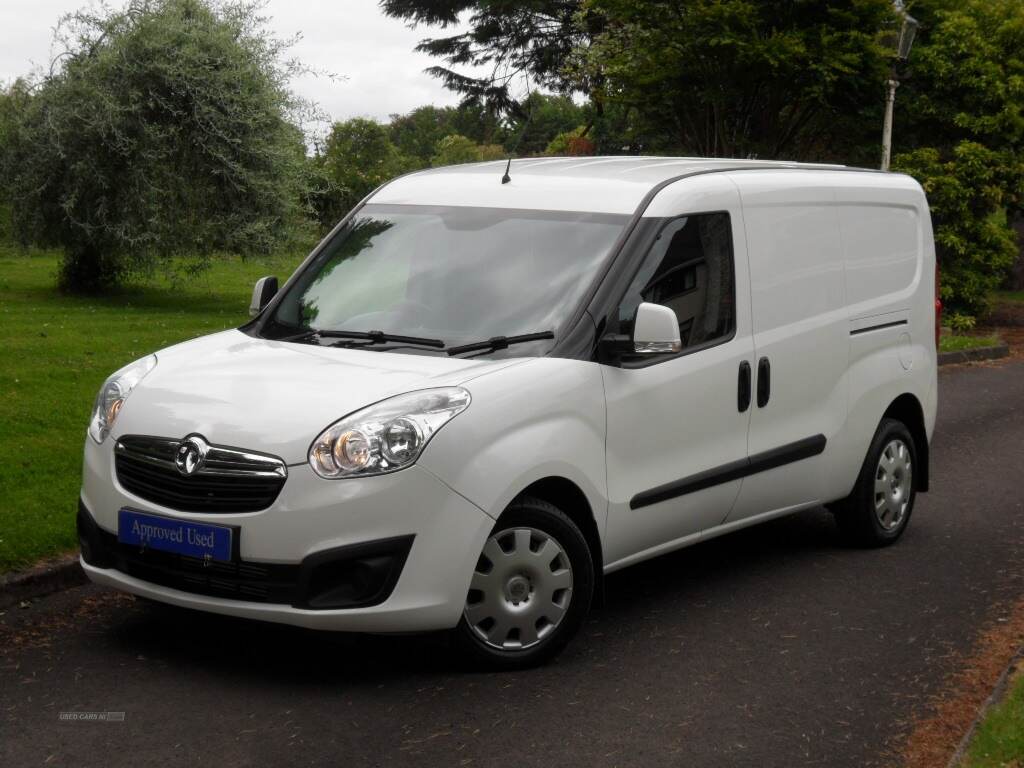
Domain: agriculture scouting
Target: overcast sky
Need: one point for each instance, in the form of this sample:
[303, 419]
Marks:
[352, 39]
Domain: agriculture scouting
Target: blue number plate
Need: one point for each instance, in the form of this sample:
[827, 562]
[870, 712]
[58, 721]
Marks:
[179, 536]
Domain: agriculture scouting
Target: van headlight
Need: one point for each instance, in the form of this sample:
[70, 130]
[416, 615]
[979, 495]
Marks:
[387, 436]
[113, 393]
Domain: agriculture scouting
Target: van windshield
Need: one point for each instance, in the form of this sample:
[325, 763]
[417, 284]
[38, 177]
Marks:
[457, 274]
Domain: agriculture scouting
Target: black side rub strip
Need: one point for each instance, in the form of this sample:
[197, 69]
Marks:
[878, 327]
[734, 470]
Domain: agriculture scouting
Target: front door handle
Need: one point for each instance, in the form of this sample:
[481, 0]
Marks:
[743, 387]
[764, 382]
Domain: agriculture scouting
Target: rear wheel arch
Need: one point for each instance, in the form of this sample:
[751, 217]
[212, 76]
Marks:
[907, 409]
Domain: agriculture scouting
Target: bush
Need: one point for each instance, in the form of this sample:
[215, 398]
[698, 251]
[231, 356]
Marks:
[164, 130]
[959, 322]
[571, 143]
[487, 152]
[974, 243]
[456, 150]
[965, 98]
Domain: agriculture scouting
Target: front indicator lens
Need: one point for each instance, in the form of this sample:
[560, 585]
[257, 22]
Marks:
[114, 409]
[387, 436]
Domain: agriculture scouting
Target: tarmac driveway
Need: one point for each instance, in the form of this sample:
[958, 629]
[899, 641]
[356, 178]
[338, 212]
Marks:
[775, 646]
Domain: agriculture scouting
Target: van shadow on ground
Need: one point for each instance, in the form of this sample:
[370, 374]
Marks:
[635, 597]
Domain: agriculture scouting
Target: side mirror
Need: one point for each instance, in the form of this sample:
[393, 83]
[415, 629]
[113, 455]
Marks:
[262, 293]
[655, 330]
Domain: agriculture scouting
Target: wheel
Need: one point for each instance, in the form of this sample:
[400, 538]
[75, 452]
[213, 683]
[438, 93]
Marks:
[876, 513]
[531, 588]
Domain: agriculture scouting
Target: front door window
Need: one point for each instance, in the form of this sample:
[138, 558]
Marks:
[690, 269]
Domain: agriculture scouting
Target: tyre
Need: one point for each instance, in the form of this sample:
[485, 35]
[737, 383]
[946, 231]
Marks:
[876, 513]
[531, 588]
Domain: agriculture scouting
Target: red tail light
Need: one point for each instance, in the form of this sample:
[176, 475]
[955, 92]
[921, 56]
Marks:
[938, 307]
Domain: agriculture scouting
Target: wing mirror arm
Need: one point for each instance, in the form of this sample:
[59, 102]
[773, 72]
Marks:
[613, 348]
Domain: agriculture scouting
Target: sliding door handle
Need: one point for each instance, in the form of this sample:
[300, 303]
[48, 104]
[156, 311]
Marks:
[764, 382]
[743, 387]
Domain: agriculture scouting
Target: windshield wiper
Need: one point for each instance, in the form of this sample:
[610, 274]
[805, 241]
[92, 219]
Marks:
[373, 337]
[500, 342]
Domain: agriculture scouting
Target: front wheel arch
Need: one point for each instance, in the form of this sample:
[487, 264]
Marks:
[503, 557]
[569, 497]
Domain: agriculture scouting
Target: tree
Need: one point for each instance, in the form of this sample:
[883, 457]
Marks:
[714, 77]
[508, 38]
[358, 157]
[417, 133]
[539, 118]
[476, 120]
[162, 129]
[13, 102]
[740, 78]
[966, 76]
[519, 46]
[962, 106]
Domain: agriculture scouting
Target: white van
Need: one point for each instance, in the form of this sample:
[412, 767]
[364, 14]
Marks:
[477, 397]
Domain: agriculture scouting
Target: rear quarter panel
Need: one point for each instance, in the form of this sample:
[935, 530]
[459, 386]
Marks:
[889, 258]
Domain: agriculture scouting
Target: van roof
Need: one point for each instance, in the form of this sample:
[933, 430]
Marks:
[598, 184]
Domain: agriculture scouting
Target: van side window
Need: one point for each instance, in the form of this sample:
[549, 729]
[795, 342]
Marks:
[689, 269]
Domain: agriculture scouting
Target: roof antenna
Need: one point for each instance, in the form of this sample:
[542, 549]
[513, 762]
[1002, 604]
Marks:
[522, 132]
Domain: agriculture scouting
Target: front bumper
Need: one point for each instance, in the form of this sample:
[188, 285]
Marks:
[425, 537]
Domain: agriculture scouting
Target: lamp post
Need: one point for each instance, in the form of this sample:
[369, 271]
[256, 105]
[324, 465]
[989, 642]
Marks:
[902, 43]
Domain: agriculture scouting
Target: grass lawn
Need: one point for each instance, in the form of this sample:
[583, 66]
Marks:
[1015, 297]
[956, 343]
[999, 740]
[55, 352]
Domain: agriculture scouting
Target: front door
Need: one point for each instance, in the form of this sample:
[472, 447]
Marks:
[676, 428]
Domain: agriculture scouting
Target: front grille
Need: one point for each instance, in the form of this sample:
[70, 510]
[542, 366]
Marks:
[224, 480]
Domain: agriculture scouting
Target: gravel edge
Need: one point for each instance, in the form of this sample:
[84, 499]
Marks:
[51, 575]
[974, 355]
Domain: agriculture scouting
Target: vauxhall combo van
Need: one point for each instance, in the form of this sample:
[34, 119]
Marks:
[484, 391]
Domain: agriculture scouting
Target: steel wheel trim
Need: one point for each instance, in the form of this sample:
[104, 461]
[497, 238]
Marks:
[520, 591]
[894, 482]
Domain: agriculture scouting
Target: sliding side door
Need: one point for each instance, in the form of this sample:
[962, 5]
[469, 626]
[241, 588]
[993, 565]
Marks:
[801, 338]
